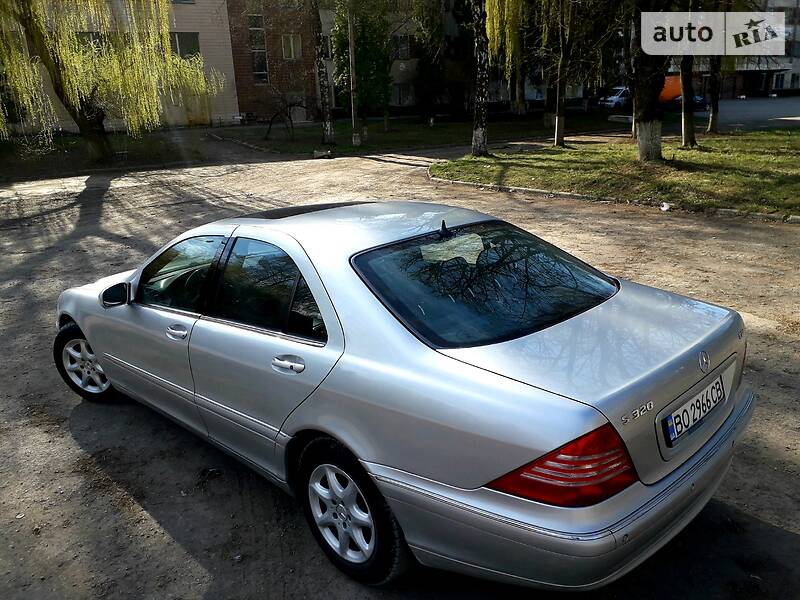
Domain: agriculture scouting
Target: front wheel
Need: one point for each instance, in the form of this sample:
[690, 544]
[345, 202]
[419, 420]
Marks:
[348, 516]
[77, 364]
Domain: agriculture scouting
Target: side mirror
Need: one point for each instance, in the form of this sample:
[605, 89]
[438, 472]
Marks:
[116, 295]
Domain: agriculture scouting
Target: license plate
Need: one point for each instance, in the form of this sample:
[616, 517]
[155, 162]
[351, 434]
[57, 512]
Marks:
[689, 415]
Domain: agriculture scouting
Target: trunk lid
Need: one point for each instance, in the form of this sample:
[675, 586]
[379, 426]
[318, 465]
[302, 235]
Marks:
[641, 346]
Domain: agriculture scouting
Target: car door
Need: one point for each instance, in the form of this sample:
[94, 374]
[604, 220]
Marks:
[145, 344]
[267, 341]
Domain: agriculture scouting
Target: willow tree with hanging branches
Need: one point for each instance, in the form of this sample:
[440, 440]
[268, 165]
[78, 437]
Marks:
[505, 25]
[101, 58]
[568, 37]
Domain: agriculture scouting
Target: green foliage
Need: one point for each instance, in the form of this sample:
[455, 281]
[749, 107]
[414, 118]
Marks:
[505, 22]
[373, 53]
[428, 16]
[125, 67]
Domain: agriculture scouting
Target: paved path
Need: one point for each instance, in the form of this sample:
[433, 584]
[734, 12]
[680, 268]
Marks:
[118, 502]
[760, 113]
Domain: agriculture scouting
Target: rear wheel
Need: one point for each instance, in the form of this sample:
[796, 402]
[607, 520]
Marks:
[348, 516]
[77, 364]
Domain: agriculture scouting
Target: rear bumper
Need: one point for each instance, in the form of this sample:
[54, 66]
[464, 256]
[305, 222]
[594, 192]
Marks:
[492, 535]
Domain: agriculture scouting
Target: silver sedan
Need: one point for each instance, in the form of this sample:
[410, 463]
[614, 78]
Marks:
[431, 384]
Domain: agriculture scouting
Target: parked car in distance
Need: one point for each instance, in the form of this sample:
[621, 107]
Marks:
[430, 383]
[698, 104]
[618, 97]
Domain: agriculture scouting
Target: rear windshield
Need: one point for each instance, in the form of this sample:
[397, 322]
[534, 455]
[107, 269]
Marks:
[484, 283]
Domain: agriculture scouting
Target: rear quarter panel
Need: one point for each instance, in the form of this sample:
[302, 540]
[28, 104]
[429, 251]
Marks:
[418, 411]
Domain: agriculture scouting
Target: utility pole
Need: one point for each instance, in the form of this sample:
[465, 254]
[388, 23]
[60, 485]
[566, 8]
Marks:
[353, 94]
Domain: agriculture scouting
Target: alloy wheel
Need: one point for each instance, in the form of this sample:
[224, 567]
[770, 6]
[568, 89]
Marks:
[81, 366]
[341, 513]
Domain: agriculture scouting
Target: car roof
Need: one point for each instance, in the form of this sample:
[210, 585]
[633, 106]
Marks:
[350, 227]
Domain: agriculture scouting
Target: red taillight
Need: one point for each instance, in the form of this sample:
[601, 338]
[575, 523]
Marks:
[586, 471]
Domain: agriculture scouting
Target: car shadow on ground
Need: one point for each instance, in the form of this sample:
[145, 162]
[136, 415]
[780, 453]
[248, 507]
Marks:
[249, 538]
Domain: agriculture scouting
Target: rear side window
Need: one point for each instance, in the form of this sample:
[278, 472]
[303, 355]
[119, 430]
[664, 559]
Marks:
[482, 284]
[261, 286]
[176, 278]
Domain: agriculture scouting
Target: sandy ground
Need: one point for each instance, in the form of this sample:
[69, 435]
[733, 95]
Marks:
[118, 502]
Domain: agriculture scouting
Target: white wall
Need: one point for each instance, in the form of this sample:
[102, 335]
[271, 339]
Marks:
[209, 18]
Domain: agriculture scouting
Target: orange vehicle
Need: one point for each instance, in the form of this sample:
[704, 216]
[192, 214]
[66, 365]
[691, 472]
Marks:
[672, 89]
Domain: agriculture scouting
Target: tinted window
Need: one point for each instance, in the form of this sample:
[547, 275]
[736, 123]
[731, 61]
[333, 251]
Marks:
[305, 319]
[261, 286]
[176, 277]
[485, 283]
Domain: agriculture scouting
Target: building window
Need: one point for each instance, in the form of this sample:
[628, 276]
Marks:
[291, 46]
[780, 79]
[402, 94]
[258, 41]
[402, 47]
[185, 43]
[795, 80]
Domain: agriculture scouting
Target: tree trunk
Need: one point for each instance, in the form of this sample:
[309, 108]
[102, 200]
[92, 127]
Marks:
[688, 138]
[649, 140]
[649, 74]
[561, 89]
[322, 75]
[714, 84]
[479, 138]
[87, 115]
[353, 93]
[519, 92]
[94, 133]
[549, 117]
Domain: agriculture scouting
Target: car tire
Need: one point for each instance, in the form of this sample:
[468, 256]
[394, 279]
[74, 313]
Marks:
[386, 556]
[78, 366]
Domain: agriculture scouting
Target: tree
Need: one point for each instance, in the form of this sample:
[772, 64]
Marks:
[648, 74]
[714, 86]
[688, 138]
[686, 64]
[428, 17]
[505, 25]
[102, 58]
[480, 146]
[569, 39]
[322, 74]
[371, 56]
[715, 74]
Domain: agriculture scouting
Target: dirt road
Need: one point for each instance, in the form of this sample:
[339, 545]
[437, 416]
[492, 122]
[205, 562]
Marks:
[118, 502]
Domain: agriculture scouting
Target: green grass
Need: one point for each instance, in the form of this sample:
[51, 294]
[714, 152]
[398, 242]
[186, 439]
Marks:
[408, 133]
[757, 171]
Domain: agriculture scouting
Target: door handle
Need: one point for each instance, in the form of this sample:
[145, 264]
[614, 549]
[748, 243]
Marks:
[290, 365]
[177, 332]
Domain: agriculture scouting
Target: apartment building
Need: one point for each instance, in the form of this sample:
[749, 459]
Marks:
[273, 57]
[201, 26]
[273, 54]
[769, 75]
[196, 26]
[788, 76]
